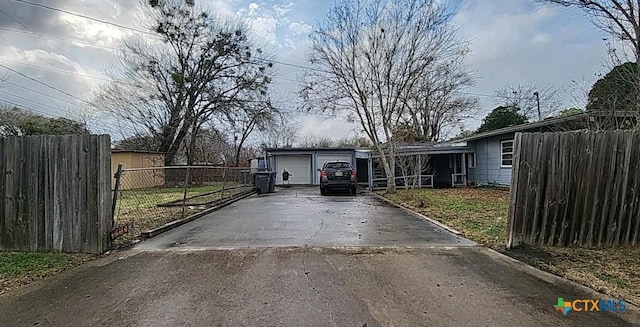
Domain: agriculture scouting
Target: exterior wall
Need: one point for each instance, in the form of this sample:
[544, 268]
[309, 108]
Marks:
[138, 179]
[488, 161]
[315, 175]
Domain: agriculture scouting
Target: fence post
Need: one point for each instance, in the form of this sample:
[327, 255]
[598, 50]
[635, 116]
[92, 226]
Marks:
[224, 181]
[184, 194]
[116, 189]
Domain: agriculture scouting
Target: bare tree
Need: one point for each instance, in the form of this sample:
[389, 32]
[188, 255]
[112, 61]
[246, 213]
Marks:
[526, 97]
[279, 134]
[171, 86]
[621, 20]
[439, 104]
[412, 166]
[618, 18]
[247, 119]
[370, 57]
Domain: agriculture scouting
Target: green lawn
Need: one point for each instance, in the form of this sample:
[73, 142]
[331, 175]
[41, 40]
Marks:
[480, 214]
[151, 197]
[17, 269]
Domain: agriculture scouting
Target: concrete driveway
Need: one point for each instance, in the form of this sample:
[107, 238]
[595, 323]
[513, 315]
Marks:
[305, 261]
[301, 216]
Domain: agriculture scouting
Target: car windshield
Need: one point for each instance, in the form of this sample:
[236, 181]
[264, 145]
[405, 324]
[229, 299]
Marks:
[337, 165]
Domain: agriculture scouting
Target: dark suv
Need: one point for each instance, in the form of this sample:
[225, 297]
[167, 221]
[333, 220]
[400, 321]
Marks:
[337, 175]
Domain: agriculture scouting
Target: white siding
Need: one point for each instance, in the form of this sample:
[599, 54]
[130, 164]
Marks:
[488, 161]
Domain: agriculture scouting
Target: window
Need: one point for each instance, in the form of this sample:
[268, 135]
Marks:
[471, 160]
[337, 165]
[507, 153]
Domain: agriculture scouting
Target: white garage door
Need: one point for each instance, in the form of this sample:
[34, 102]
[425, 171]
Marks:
[298, 166]
[322, 158]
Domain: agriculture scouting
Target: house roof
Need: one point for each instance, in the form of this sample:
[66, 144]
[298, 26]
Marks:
[307, 149]
[524, 127]
[546, 123]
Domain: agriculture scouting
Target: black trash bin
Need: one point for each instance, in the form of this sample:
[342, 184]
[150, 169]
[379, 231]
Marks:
[272, 181]
[262, 181]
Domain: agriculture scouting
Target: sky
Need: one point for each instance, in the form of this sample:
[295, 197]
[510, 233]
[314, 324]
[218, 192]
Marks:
[56, 60]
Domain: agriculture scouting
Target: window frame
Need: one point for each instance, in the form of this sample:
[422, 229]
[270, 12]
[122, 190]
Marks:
[502, 153]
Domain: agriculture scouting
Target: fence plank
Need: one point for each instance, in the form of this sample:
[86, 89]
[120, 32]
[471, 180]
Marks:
[53, 192]
[512, 214]
[622, 199]
[3, 175]
[576, 188]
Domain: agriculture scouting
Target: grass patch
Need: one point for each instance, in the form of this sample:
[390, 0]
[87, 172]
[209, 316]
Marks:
[611, 271]
[140, 210]
[17, 269]
[480, 214]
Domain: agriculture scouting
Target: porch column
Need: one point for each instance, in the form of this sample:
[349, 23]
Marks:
[464, 168]
[420, 171]
[370, 172]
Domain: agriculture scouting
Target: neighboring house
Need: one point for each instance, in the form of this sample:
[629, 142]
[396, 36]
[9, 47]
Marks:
[491, 159]
[138, 159]
[481, 159]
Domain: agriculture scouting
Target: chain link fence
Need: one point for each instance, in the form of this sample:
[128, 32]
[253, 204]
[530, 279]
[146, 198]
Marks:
[147, 198]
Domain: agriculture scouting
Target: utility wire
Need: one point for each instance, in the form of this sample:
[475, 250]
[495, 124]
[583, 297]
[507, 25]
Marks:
[45, 84]
[41, 93]
[34, 101]
[65, 71]
[27, 108]
[58, 38]
[45, 39]
[86, 17]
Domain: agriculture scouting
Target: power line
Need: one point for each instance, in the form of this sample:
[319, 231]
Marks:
[39, 92]
[32, 31]
[33, 101]
[28, 109]
[86, 17]
[64, 71]
[45, 84]
[58, 38]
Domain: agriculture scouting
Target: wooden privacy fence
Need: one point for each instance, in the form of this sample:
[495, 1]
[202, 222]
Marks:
[55, 193]
[575, 189]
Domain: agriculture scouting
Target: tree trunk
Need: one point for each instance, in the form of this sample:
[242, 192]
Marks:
[238, 155]
[388, 163]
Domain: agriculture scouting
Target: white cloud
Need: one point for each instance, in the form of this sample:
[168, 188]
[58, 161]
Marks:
[514, 42]
[334, 128]
[253, 8]
[264, 28]
[300, 28]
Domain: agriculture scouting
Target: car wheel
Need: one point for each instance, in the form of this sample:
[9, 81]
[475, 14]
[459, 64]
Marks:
[323, 191]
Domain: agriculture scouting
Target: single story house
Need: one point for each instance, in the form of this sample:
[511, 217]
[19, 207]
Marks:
[481, 159]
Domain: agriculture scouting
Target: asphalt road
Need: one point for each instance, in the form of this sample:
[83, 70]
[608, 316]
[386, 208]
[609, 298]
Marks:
[354, 271]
